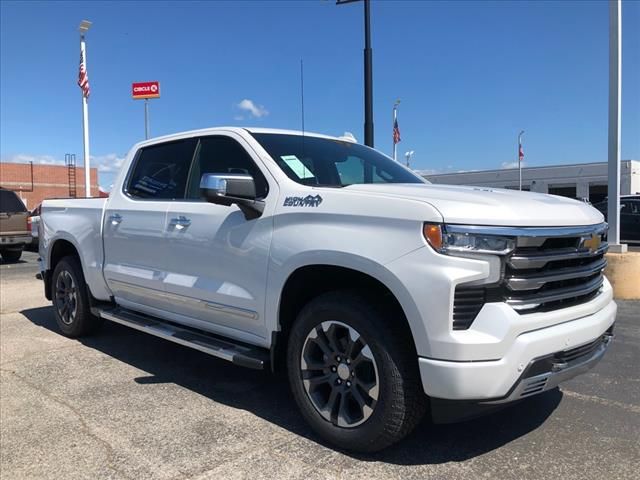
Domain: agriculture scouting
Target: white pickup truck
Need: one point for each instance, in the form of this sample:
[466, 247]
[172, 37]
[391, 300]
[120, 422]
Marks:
[379, 294]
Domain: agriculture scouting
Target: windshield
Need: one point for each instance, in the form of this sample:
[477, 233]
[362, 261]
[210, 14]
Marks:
[331, 163]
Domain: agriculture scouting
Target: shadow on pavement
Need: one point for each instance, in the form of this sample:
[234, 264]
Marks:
[268, 397]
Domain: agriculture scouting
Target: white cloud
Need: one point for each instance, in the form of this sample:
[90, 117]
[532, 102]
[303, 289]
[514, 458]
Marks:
[109, 163]
[238, 117]
[252, 109]
[428, 171]
[36, 159]
[512, 164]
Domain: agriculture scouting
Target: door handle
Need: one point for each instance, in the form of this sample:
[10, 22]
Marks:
[180, 222]
[115, 219]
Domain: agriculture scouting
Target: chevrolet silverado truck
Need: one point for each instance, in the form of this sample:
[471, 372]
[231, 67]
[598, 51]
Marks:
[380, 295]
[14, 228]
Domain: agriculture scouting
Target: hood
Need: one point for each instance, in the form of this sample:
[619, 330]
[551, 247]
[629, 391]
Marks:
[492, 206]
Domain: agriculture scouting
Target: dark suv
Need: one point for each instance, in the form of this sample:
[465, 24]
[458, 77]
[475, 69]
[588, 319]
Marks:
[629, 217]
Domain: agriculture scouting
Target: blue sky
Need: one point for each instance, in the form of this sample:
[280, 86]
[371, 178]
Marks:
[470, 75]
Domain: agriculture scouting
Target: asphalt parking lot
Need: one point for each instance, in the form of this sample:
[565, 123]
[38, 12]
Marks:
[126, 405]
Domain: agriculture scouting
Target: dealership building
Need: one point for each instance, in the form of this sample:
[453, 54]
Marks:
[34, 183]
[583, 180]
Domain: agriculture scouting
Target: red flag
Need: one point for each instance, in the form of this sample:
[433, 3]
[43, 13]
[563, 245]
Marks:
[83, 77]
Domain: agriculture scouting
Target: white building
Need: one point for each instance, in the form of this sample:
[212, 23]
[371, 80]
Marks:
[583, 180]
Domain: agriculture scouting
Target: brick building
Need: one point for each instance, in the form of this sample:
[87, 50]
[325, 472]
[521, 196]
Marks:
[49, 181]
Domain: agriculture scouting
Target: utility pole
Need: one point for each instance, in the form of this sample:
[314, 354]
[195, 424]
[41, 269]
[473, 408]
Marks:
[368, 75]
[615, 91]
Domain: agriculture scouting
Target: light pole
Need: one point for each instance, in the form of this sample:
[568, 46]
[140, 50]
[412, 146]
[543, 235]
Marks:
[84, 27]
[520, 157]
[368, 76]
[395, 124]
[408, 156]
[615, 87]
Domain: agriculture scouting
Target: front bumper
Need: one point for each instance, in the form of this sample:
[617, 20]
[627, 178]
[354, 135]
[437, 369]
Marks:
[14, 241]
[521, 371]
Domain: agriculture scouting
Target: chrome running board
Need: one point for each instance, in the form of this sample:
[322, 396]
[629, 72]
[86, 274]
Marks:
[239, 353]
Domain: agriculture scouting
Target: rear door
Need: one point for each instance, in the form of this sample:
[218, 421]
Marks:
[135, 237]
[217, 261]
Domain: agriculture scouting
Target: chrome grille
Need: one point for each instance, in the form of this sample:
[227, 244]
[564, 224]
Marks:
[551, 268]
[550, 271]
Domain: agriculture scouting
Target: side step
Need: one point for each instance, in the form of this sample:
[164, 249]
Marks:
[239, 353]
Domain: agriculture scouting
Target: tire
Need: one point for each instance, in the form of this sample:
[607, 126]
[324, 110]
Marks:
[11, 256]
[71, 299]
[338, 323]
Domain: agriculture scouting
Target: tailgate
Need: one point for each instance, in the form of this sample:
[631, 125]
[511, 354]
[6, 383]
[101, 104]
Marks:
[13, 223]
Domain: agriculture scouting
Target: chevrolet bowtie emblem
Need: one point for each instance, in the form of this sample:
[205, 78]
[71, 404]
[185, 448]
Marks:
[592, 243]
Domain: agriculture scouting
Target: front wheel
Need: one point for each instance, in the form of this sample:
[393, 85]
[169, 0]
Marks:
[353, 377]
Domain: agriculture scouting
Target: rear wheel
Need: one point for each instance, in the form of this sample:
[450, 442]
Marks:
[11, 256]
[351, 373]
[71, 300]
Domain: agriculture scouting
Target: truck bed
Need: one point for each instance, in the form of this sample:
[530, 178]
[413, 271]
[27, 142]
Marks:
[78, 221]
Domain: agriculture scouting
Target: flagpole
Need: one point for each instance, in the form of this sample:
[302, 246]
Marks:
[395, 119]
[85, 118]
[520, 160]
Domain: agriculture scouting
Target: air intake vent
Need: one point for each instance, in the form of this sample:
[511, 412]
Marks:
[466, 305]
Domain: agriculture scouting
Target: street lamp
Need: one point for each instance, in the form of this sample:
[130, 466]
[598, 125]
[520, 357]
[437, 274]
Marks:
[408, 156]
[368, 80]
[84, 27]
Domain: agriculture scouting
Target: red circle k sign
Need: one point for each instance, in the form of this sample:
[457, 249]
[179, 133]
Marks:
[145, 90]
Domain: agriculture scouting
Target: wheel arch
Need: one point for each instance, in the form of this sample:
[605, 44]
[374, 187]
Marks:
[308, 281]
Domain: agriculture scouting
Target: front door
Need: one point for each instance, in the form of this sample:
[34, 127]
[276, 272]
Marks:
[217, 259]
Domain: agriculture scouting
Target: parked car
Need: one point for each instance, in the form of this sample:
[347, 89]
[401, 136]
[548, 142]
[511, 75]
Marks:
[378, 293]
[629, 217]
[14, 234]
[33, 223]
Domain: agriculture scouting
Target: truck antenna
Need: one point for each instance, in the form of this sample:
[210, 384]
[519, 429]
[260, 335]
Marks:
[302, 100]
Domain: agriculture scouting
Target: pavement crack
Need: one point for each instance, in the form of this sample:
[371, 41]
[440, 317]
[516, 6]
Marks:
[602, 401]
[84, 426]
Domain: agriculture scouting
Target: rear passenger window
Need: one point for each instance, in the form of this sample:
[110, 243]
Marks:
[161, 171]
[10, 202]
[223, 155]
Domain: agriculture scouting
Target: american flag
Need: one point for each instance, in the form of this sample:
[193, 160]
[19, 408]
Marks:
[396, 132]
[83, 77]
[520, 152]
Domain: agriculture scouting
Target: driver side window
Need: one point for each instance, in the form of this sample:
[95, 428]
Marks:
[220, 154]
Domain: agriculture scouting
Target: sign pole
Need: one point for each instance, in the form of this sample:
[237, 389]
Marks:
[145, 91]
[85, 128]
[146, 119]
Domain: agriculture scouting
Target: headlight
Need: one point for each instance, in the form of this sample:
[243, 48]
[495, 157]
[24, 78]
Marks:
[455, 240]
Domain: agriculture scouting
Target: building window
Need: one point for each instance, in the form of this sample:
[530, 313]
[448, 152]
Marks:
[563, 190]
[597, 193]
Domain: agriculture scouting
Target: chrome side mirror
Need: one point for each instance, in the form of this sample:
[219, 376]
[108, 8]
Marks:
[232, 188]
